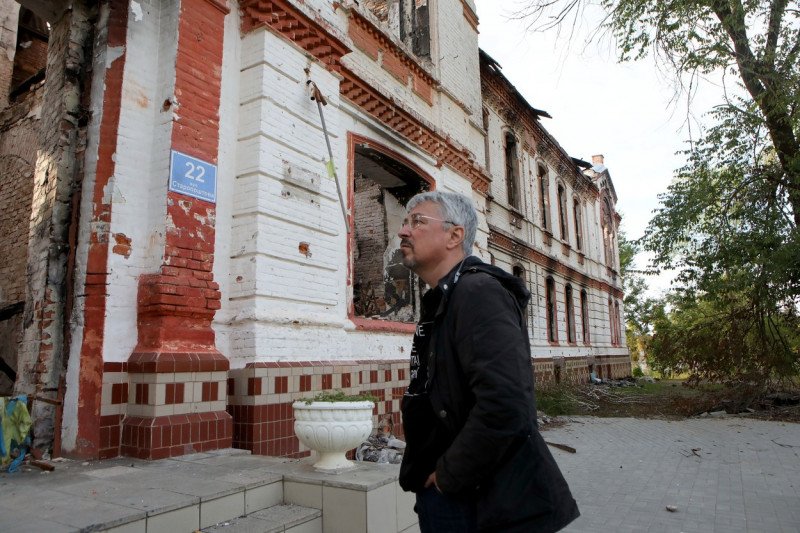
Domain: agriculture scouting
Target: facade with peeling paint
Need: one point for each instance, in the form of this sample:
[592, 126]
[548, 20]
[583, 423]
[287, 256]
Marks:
[181, 264]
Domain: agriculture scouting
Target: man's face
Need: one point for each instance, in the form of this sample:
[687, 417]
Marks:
[424, 247]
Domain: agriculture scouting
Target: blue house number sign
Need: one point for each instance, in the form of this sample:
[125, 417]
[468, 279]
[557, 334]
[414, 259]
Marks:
[193, 177]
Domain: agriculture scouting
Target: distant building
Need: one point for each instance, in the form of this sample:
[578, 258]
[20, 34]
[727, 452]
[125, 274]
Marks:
[175, 259]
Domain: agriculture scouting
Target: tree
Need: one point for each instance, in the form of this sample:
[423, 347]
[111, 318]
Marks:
[638, 306]
[727, 228]
[756, 43]
[729, 222]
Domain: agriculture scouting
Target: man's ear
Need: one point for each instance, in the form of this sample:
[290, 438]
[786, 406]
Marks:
[456, 237]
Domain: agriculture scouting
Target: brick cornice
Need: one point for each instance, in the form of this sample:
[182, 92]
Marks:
[287, 20]
[522, 250]
[500, 95]
[390, 47]
[404, 122]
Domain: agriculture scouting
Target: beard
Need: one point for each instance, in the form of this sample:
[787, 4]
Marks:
[407, 261]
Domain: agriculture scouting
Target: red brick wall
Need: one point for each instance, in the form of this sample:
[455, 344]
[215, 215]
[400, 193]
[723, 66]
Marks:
[260, 398]
[19, 135]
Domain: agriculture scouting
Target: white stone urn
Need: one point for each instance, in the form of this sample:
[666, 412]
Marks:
[331, 429]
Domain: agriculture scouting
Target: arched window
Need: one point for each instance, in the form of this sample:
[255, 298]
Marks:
[519, 272]
[570, 309]
[383, 182]
[609, 232]
[585, 317]
[576, 213]
[544, 196]
[618, 322]
[512, 173]
[562, 211]
[550, 296]
[612, 324]
[30, 56]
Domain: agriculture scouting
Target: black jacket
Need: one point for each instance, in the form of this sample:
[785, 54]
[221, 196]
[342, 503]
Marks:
[480, 384]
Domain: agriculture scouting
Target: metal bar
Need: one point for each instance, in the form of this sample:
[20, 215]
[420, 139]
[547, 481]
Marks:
[320, 99]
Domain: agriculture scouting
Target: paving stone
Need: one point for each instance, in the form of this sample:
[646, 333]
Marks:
[726, 474]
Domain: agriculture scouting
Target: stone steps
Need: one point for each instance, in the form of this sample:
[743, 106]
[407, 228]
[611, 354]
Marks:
[224, 491]
[276, 519]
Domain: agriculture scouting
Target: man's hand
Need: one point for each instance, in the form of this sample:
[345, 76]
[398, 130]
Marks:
[432, 481]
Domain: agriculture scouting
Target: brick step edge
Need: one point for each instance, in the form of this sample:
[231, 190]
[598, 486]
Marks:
[276, 519]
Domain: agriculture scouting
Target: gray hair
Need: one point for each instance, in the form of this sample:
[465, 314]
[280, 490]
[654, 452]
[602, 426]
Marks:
[455, 208]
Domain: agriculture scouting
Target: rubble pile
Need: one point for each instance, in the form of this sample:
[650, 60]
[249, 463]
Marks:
[382, 446]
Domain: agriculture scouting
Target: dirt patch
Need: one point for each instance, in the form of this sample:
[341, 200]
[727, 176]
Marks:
[670, 399]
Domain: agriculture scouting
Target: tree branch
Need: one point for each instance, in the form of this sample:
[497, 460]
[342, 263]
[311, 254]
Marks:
[774, 28]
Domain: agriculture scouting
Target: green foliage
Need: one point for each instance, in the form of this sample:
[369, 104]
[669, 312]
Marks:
[637, 371]
[727, 225]
[729, 222]
[732, 340]
[638, 306]
[340, 396]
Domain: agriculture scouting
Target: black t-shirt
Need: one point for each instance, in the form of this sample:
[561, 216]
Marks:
[426, 437]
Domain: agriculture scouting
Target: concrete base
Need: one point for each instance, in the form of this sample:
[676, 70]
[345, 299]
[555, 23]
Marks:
[209, 491]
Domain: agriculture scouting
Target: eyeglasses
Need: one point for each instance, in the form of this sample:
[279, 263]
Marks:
[416, 220]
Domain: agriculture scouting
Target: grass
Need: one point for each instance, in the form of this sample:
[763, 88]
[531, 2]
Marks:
[556, 400]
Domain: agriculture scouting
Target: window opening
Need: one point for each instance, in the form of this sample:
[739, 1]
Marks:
[30, 57]
[550, 295]
[512, 181]
[382, 287]
[408, 19]
[607, 223]
[611, 323]
[576, 213]
[585, 317]
[570, 309]
[544, 196]
[562, 211]
[519, 272]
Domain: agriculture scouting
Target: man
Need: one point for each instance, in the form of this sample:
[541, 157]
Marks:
[474, 457]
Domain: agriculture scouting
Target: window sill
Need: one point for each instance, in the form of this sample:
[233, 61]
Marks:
[371, 324]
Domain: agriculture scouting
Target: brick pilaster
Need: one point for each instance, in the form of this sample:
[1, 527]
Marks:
[178, 378]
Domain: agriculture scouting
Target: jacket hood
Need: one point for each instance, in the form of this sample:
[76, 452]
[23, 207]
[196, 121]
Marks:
[511, 283]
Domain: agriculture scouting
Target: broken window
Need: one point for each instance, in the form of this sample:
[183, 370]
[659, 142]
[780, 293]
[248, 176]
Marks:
[408, 19]
[30, 57]
[382, 287]
[570, 310]
[550, 296]
[544, 196]
[519, 272]
[612, 324]
[576, 213]
[512, 183]
[607, 223]
[585, 316]
[562, 211]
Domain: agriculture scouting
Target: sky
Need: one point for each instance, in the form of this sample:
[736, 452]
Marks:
[623, 111]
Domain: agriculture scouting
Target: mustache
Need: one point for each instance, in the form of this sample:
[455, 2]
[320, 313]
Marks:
[406, 242]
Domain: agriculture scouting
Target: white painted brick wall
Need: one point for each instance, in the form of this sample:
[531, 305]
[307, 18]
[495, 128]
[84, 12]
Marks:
[138, 194]
[456, 51]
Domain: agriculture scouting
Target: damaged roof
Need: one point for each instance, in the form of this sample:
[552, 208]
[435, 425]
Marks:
[495, 67]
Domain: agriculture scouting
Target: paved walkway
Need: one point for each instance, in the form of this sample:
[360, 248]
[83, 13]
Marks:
[722, 475]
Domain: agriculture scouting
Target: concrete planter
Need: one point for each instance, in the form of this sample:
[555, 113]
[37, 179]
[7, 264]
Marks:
[331, 429]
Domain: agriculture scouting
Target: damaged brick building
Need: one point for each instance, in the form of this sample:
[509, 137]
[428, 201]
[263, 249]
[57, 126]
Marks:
[177, 262]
